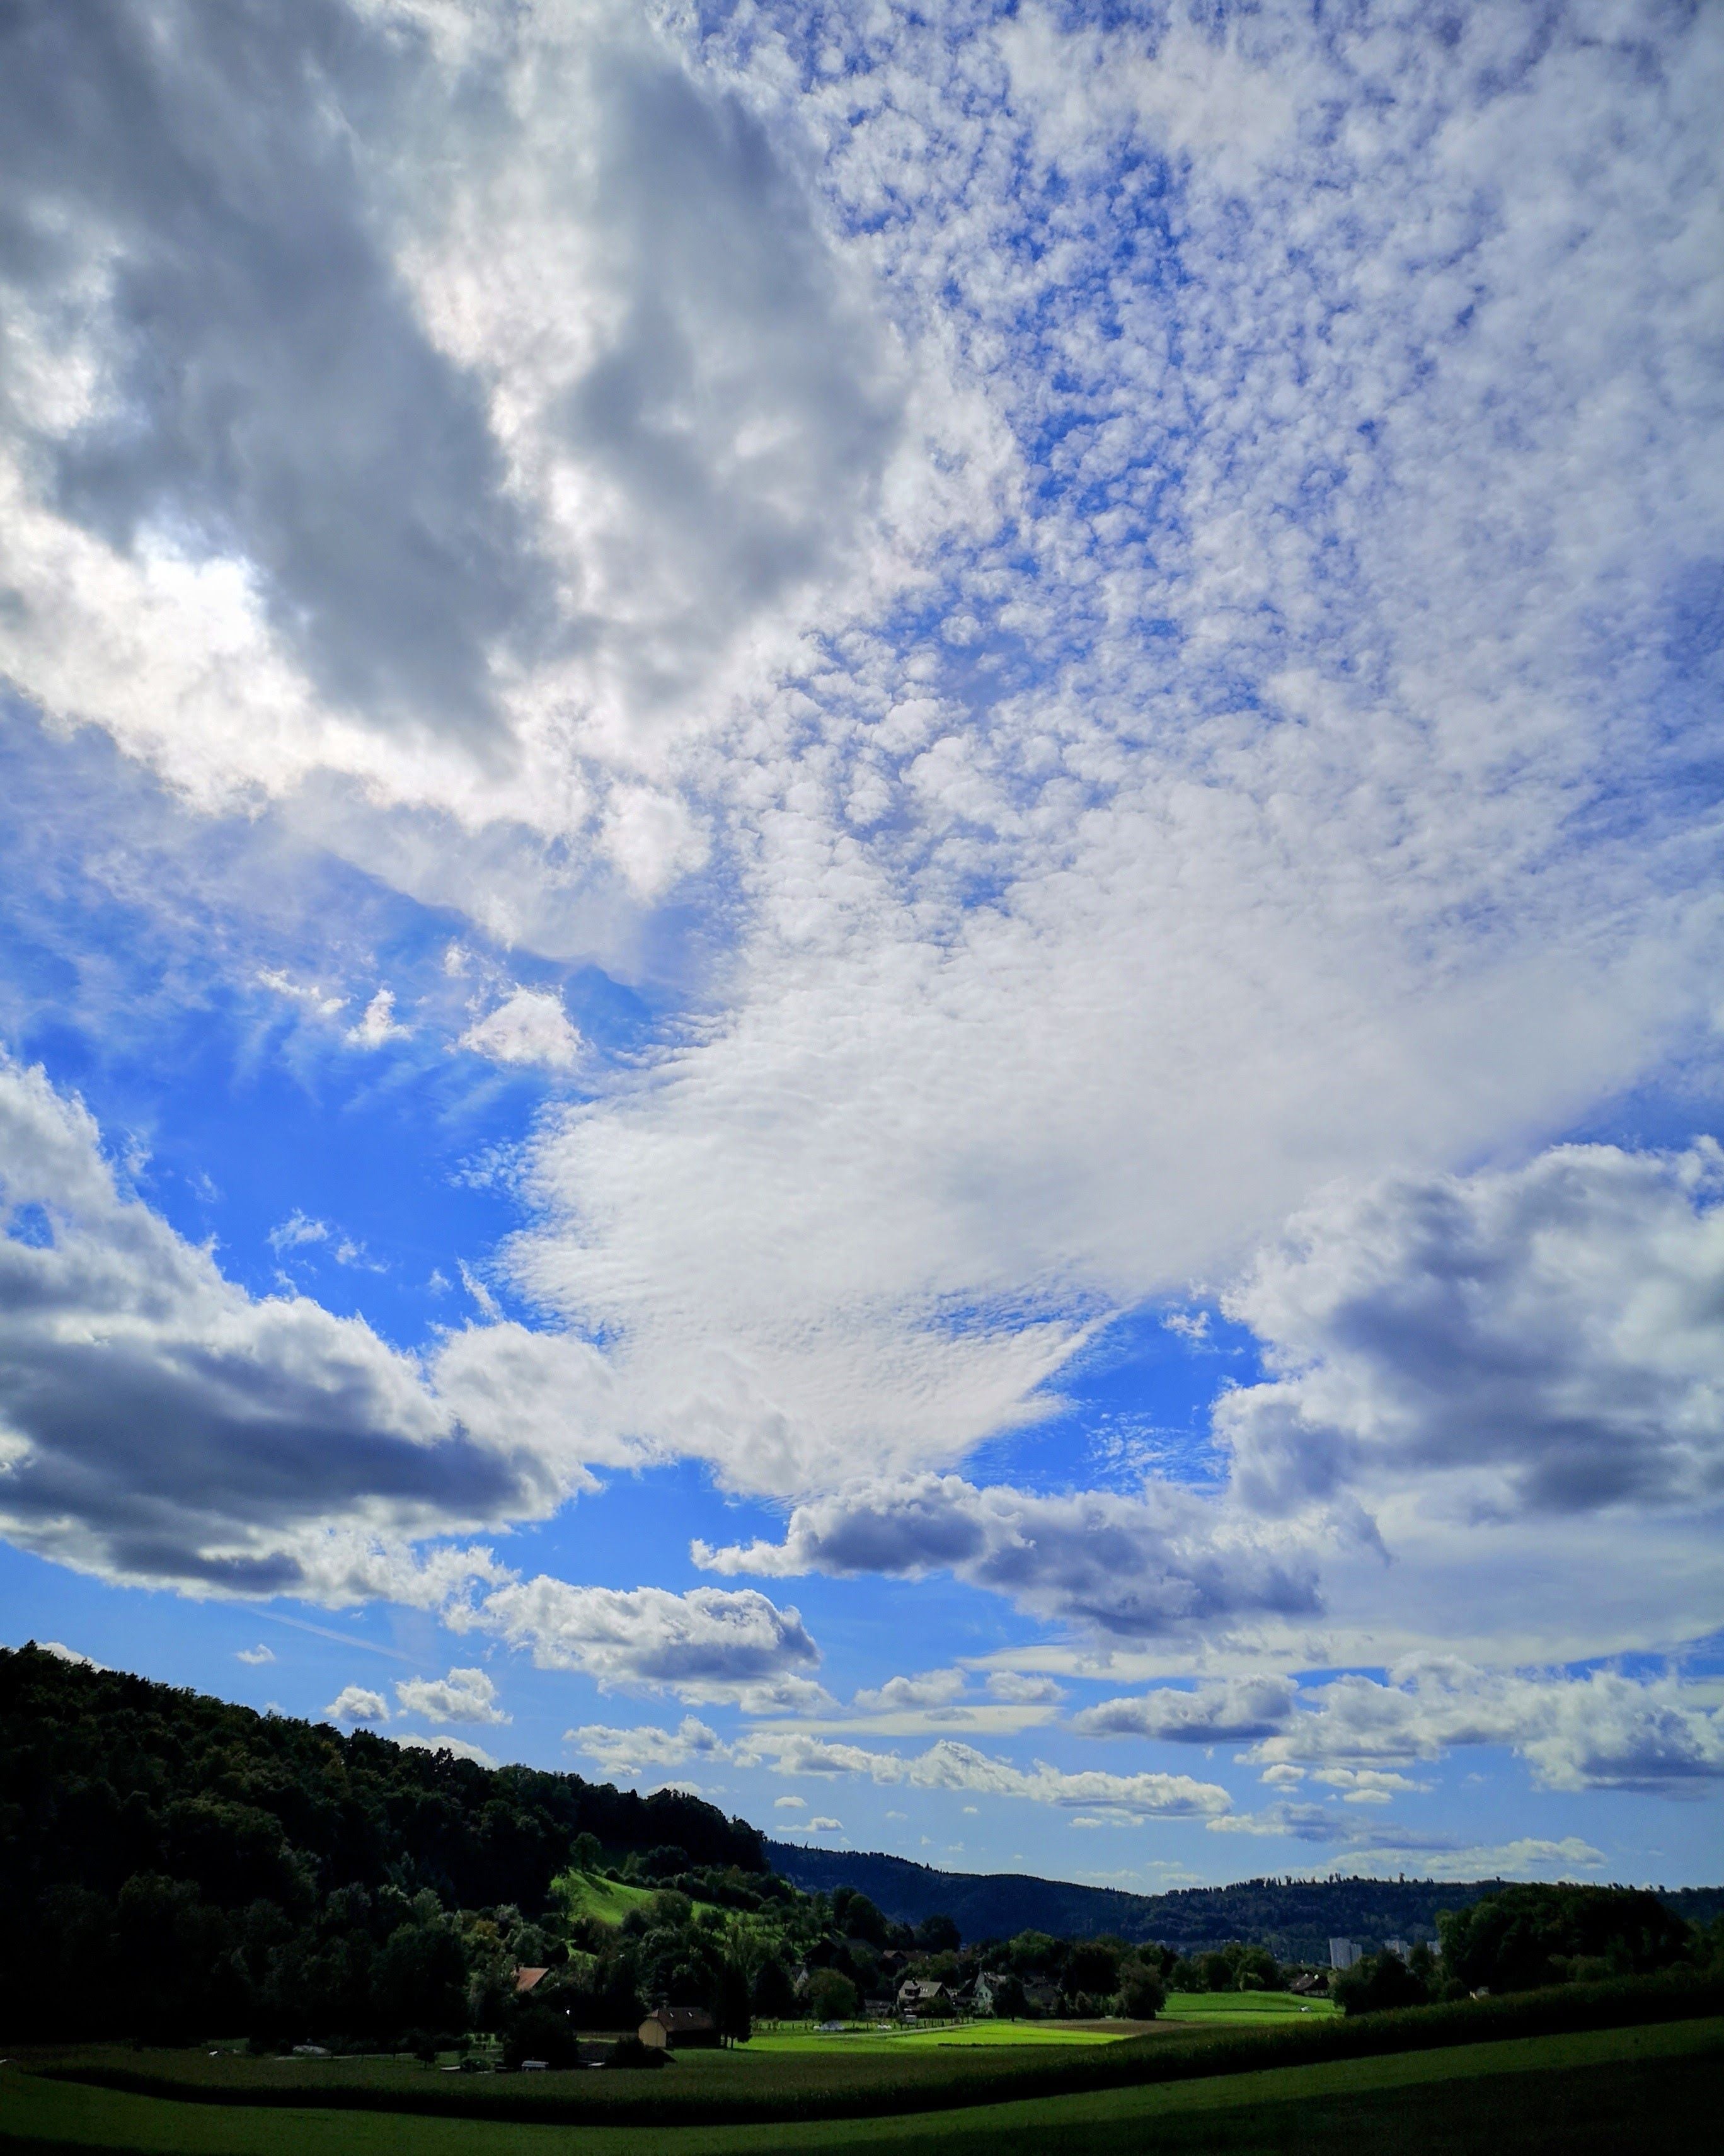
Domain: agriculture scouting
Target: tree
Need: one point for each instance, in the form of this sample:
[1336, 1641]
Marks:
[855, 1916]
[832, 1996]
[1092, 1966]
[774, 1996]
[1142, 1992]
[938, 1934]
[730, 2002]
[586, 1854]
[1379, 1985]
[1529, 1935]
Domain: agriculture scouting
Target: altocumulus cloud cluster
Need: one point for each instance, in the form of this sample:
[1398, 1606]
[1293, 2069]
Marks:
[1116, 627]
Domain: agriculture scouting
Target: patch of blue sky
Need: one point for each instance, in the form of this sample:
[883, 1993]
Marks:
[240, 1108]
[1135, 1401]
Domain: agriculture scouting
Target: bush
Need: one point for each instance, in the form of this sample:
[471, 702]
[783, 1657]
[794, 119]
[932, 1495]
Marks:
[629, 2053]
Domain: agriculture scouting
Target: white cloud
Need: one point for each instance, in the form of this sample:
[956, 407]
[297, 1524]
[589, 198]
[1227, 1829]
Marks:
[1599, 1731]
[933, 1688]
[458, 1746]
[1021, 1688]
[297, 1231]
[949, 1765]
[708, 1644]
[530, 1026]
[790, 1803]
[462, 1695]
[358, 1703]
[256, 1656]
[62, 1653]
[628, 1753]
[378, 1026]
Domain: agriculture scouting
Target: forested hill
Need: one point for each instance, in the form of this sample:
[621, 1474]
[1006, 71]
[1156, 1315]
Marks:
[1293, 1918]
[104, 1776]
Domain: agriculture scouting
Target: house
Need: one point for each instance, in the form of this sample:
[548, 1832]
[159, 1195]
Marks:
[525, 1978]
[1308, 1987]
[679, 2028]
[985, 1999]
[915, 1997]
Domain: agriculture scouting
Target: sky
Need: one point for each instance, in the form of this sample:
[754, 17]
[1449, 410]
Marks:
[859, 907]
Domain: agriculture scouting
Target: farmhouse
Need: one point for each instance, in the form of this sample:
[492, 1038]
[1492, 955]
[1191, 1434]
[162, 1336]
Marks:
[679, 2028]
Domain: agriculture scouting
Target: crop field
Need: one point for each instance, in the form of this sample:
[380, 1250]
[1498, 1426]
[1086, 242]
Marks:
[1580, 2095]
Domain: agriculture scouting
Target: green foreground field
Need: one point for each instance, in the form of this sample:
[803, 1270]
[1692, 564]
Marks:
[1646, 2088]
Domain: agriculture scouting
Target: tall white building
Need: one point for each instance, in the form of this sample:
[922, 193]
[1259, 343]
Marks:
[1342, 1954]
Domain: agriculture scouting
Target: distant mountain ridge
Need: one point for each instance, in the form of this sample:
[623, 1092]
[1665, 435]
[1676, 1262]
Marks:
[1295, 1918]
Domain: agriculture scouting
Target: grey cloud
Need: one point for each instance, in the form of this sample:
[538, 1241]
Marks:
[274, 393]
[744, 405]
[157, 1423]
[1599, 1731]
[1235, 1712]
[1127, 1567]
[1545, 1340]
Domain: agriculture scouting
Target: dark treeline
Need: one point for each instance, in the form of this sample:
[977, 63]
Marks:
[1295, 1918]
[169, 1862]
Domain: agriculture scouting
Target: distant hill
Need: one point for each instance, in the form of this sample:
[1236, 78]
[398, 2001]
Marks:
[1295, 1918]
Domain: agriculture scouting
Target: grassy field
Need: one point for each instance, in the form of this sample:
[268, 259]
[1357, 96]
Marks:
[963, 2035]
[584, 1894]
[1584, 2095]
[1240, 2008]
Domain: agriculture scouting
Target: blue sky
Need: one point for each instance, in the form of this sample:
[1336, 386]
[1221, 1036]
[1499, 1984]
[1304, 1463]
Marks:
[859, 915]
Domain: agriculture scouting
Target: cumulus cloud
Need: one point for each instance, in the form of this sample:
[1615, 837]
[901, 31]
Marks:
[950, 1765]
[462, 1695]
[256, 1656]
[358, 1703]
[457, 1746]
[62, 1653]
[1544, 1340]
[158, 1423]
[933, 1688]
[1129, 1566]
[613, 411]
[1242, 1708]
[530, 1026]
[378, 1026]
[1353, 1732]
[707, 1645]
[628, 1753]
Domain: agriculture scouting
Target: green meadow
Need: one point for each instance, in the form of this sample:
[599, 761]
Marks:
[1576, 2094]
